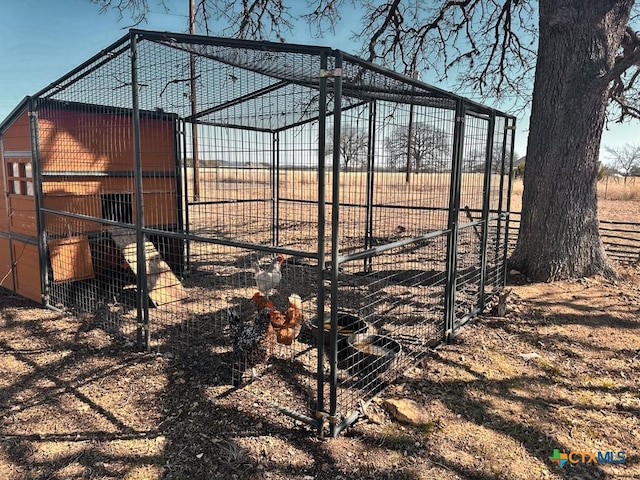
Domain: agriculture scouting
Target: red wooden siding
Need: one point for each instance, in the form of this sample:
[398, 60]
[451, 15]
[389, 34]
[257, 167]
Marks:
[27, 270]
[71, 259]
[17, 137]
[81, 141]
[6, 275]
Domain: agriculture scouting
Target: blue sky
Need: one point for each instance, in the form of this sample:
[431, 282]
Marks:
[41, 40]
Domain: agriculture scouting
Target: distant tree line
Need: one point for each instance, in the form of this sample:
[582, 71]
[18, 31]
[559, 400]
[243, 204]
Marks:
[421, 148]
[625, 159]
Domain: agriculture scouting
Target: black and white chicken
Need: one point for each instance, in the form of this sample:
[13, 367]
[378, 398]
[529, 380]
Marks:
[250, 338]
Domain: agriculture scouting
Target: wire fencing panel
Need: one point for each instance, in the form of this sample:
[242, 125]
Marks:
[282, 214]
[84, 143]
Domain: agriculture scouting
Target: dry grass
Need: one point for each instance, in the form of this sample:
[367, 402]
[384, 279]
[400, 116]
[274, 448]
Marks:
[615, 197]
[388, 184]
[616, 189]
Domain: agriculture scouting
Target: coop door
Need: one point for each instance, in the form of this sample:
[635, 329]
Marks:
[70, 259]
[21, 206]
[117, 207]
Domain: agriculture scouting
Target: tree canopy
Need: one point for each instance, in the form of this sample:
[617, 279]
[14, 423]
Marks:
[488, 47]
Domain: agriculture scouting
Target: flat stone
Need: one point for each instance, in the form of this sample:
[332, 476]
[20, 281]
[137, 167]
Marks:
[406, 410]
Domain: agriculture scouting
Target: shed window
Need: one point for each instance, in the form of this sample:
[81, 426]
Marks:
[20, 177]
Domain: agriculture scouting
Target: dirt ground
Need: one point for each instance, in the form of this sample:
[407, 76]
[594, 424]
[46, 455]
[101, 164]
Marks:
[559, 371]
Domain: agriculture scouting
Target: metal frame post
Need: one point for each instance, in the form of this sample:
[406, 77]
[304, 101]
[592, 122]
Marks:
[486, 199]
[454, 210]
[500, 213]
[275, 188]
[368, 234]
[185, 195]
[180, 220]
[36, 169]
[322, 127]
[335, 219]
[509, 188]
[142, 331]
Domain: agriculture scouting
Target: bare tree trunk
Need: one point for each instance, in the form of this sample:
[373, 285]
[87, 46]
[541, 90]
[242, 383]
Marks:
[559, 235]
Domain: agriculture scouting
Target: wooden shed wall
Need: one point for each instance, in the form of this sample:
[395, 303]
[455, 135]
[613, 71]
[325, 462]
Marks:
[78, 141]
[98, 149]
[26, 272]
[17, 137]
[6, 274]
[84, 197]
[4, 201]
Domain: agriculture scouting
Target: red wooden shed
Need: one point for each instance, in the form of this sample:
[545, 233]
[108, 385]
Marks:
[66, 164]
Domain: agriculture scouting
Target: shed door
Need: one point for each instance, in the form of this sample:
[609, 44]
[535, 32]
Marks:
[20, 224]
[21, 205]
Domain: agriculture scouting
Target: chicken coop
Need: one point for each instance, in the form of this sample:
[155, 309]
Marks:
[310, 223]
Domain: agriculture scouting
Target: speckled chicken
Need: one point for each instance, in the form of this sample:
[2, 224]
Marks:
[251, 339]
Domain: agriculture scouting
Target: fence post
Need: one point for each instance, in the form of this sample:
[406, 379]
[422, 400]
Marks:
[322, 126]
[335, 219]
[142, 330]
[486, 199]
[36, 169]
[454, 211]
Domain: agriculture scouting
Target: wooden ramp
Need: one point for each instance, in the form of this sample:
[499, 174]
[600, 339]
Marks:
[162, 284]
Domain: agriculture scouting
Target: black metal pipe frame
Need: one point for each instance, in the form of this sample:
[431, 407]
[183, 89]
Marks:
[335, 219]
[142, 331]
[107, 174]
[330, 88]
[375, 251]
[512, 128]
[454, 209]
[488, 167]
[180, 220]
[501, 216]
[39, 201]
[108, 52]
[187, 237]
[178, 38]
[322, 130]
[368, 234]
[185, 189]
[275, 189]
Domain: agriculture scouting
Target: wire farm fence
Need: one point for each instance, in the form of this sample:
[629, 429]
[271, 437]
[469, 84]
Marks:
[621, 240]
[171, 168]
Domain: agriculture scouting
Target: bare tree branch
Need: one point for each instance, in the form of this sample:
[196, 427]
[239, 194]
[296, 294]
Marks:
[626, 158]
[324, 16]
[486, 46]
[623, 76]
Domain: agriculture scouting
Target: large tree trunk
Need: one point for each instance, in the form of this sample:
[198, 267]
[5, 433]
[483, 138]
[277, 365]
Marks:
[559, 236]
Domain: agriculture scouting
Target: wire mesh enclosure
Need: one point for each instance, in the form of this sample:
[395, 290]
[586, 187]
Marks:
[311, 221]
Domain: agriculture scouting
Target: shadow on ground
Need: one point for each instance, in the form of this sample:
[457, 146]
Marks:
[77, 403]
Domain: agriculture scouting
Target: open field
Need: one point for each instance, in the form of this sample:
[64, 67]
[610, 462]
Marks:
[617, 200]
[618, 211]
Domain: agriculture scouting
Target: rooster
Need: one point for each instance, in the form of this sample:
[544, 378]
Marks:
[269, 278]
[262, 302]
